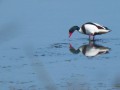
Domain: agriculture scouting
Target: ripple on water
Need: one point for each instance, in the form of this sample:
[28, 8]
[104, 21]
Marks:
[59, 45]
[56, 49]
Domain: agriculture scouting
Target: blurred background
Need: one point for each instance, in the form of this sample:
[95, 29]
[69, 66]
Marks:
[35, 48]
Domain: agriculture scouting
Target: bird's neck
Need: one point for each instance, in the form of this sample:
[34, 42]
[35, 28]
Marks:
[80, 30]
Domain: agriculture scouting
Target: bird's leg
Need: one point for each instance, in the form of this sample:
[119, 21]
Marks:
[91, 37]
[91, 43]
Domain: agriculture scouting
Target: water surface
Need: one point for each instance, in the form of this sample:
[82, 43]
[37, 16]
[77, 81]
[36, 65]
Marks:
[36, 53]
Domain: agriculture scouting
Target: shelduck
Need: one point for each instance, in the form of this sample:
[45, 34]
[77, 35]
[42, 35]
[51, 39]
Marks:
[90, 50]
[90, 29]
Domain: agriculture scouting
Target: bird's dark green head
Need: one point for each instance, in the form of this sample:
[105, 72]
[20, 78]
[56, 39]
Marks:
[72, 29]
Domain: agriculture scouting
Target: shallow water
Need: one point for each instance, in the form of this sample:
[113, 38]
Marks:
[36, 53]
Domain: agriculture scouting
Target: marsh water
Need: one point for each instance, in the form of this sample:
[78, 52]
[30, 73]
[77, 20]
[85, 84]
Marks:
[36, 53]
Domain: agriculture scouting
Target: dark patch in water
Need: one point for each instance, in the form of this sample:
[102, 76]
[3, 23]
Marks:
[1, 81]
[22, 57]
[6, 67]
[36, 55]
[11, 82]
[43, 55]
[14, 48]
[68, 60]
[58, 45]
[3, 56]
[56, 49]
[25, 64]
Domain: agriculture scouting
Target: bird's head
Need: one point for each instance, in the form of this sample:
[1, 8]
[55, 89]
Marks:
[72, 29]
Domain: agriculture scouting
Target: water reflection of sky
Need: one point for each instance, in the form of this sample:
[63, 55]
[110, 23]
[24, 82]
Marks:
[35, 45]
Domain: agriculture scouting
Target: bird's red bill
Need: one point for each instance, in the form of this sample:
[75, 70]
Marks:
[70, 34]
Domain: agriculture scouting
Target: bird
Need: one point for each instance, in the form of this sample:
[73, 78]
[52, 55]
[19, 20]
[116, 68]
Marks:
[91, 29]
[90, 50]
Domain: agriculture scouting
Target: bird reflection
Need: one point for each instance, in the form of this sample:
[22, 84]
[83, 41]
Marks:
[90, 50]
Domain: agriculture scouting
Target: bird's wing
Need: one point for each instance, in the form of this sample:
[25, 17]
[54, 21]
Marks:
[99, 26]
